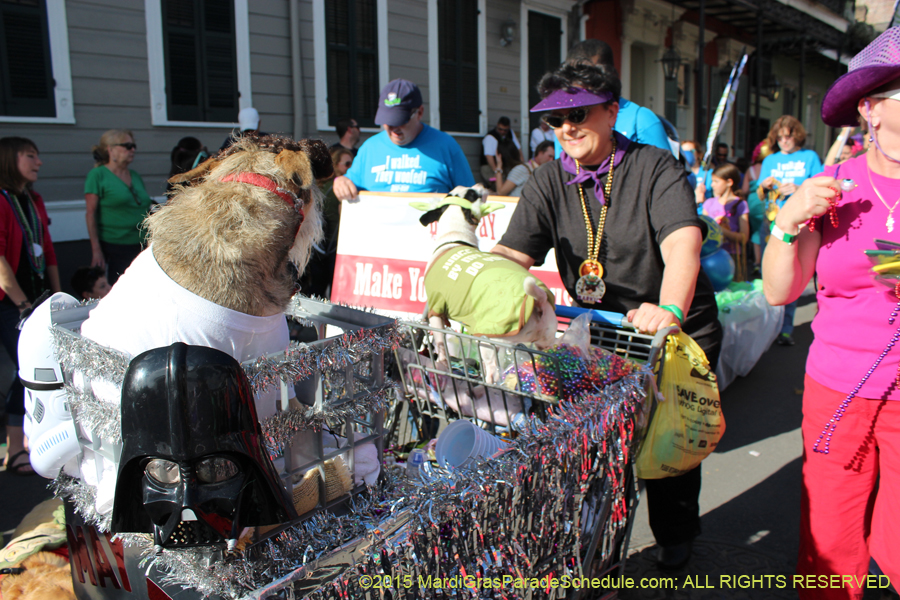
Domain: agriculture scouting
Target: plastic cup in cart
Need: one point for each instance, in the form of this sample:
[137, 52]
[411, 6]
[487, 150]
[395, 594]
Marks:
[462, 443]
[414, 463]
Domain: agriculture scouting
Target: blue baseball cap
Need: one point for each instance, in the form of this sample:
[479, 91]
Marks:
[397, 102]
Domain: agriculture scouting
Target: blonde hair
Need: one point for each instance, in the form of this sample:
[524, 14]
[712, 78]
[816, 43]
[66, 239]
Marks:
[109, 138]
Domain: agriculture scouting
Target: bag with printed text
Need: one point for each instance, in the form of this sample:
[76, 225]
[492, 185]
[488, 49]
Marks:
[688, 422]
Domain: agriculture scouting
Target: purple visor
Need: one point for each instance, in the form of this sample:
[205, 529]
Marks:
[572, 97]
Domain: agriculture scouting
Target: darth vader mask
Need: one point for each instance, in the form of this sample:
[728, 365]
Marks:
[193, 470]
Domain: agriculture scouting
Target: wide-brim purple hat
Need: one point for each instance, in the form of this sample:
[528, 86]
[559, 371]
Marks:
[572, 97]
[876, 65]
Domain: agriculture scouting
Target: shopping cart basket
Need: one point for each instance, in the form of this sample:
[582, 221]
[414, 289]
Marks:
[436, 394]
[104, 568]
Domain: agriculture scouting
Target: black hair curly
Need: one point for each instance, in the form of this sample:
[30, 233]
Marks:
[599, 79]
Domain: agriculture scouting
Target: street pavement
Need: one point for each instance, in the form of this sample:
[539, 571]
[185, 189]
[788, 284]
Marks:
[750, 502]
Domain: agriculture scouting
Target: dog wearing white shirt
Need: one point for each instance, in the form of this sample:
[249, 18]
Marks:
[225, 254]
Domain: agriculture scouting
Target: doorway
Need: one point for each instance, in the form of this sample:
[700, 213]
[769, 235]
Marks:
[544, 54]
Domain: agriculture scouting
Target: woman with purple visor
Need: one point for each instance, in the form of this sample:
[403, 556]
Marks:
[624, 225]
[851, 398]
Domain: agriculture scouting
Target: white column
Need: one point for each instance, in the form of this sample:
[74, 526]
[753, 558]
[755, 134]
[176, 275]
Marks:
[625, 73]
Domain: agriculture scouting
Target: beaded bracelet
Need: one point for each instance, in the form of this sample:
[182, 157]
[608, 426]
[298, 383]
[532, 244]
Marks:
[674, 310]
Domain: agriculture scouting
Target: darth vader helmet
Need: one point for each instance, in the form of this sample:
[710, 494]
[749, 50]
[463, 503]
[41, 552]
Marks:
[193, 469]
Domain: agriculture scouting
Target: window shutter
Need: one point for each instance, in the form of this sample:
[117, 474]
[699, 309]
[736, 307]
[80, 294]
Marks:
[458, 60]
[180, 40]
[351, 33]
[201, 61]
[220, 61]
[26, 72]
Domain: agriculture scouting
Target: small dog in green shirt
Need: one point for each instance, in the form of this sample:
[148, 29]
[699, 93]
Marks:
[491, 295]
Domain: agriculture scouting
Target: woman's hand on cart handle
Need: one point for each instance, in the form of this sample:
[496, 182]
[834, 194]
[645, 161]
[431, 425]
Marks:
[650, 318]
[812, 199]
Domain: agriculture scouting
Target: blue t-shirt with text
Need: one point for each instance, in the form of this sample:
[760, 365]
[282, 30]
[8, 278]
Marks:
[795, 167]
[433, 162]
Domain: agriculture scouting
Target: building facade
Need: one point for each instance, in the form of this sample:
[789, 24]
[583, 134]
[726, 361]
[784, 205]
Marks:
[165, 69]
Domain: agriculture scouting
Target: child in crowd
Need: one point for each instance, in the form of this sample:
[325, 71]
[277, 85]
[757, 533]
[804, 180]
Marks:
[729, 209]
[90, 283]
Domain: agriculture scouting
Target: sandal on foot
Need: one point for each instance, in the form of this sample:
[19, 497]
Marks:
[22, 469]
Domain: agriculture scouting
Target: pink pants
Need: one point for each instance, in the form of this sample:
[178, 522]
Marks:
[843, 520]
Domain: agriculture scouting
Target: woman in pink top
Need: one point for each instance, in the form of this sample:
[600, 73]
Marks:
[851, 417]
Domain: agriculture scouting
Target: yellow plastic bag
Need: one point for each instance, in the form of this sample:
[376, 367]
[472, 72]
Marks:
[688, 422]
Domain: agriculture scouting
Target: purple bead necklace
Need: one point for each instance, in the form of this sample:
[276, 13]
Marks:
[836, 417]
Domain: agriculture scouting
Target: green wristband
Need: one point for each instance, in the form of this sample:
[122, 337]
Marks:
[675, 311]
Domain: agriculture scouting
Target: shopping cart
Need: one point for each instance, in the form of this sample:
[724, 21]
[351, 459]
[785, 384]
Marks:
[105, 569]
[436, 394]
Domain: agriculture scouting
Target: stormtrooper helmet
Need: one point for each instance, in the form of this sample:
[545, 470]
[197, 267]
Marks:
[48, 421]
[193, 470]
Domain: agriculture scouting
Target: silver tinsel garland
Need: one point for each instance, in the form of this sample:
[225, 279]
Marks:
[89, 358]
[101, 418]
[299, 361]
[83, 497]
[280, 428]
[517, 514]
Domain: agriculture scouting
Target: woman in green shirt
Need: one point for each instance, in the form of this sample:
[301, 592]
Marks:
[117, 203]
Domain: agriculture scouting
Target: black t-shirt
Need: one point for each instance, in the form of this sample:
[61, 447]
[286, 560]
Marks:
[650, 199]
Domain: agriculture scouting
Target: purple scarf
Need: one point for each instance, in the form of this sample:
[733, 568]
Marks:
[568, 164]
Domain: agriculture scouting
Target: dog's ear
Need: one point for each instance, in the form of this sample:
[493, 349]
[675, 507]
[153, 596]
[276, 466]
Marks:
[195, 173]
[472, 195]
[319, 158]
[433, 215]
[306, 166]
[295, 167]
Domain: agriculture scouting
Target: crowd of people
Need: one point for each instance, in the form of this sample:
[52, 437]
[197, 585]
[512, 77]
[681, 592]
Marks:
[602, 187]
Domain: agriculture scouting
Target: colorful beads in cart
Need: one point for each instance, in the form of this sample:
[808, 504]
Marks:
[566, 372]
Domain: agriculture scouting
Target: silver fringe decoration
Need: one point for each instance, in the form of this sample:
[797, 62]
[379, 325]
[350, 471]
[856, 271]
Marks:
[298, 362]
[280, 428]
[95, 415]
[76, 353]
[519, 513]
[83, 497]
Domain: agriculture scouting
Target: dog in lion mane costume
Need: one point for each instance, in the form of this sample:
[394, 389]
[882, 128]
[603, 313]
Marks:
[225, 254]
[245, 239]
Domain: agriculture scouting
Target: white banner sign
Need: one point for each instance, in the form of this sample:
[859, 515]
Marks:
[383, 249]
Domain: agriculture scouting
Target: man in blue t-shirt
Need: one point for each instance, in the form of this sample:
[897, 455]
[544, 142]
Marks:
[408, 156]
[637, 123]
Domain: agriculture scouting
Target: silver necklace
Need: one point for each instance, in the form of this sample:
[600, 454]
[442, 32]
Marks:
[890, 220]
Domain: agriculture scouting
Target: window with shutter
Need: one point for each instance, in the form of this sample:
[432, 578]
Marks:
[26, 72]
[458, 61]
[351, 37]
[200, 60]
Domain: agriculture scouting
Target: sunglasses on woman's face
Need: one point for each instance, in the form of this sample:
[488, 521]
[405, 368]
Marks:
[128, 145]
[576, 116]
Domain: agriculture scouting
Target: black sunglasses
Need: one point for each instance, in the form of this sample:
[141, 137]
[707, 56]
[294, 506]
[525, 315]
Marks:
[576, 116]
[128, 145]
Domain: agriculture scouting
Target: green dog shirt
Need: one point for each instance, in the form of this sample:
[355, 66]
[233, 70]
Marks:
[483, 291]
